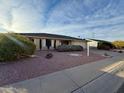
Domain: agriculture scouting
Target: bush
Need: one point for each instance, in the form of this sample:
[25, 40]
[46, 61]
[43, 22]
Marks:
[65, 48]
[105, 45]
[118, 44]
[14, 46]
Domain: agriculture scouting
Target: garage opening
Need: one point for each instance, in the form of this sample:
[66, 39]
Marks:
[65, 42]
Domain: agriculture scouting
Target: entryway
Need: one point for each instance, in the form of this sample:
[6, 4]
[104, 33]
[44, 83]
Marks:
[48, 43]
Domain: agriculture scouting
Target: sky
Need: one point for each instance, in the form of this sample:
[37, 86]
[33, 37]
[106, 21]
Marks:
[99, 19]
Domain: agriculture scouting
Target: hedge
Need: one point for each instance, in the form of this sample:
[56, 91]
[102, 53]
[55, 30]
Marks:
[66, 48]
[105, 45]
[118, 44]
[14, 46]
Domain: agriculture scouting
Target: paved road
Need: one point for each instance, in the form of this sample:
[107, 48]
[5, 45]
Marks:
[121, 89]
[66, 81]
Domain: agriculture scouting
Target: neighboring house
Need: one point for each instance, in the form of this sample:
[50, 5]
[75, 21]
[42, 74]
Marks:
[93, 43]
[44, 41]
[101, 44]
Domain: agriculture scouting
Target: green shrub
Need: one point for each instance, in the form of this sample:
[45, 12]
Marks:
[65, 48]
[14, 46]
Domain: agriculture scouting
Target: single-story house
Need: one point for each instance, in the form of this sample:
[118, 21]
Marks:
[44, 41]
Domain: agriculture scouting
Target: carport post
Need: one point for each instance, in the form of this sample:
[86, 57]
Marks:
[88, 50]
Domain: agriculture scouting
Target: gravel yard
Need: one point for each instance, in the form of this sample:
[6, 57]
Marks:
[36, 66]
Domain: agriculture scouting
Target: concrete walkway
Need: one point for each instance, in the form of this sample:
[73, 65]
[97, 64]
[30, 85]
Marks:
[66, 81]
[109, 82]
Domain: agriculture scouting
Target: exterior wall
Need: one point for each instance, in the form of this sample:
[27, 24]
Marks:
[81, 43]
[93, 43]
[37, 43]
[44, 47]
[58, 42]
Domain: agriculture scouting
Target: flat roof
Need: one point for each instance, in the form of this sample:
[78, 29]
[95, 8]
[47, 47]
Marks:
[51, 36]
[99, 40]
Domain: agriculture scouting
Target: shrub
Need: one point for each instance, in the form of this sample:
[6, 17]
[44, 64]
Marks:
[14, 46]
[118, 44]
[65, 48]
[105, 45]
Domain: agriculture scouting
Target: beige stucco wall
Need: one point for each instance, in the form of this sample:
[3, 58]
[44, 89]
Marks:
[81, 43]
[93, 43]
[44, 47]
[37, 43]
[58, 42]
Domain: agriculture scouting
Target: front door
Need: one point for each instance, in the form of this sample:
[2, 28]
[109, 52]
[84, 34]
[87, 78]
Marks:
[40, 44]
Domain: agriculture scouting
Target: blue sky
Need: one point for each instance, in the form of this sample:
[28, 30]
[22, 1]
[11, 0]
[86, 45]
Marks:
[101, 19]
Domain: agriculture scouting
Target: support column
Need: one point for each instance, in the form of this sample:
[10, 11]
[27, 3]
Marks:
[52, 44]
[37, 43]
[88, 49]
[58, 43]
[44, 44]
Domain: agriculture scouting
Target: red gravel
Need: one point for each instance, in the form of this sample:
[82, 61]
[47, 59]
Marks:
[34, 67]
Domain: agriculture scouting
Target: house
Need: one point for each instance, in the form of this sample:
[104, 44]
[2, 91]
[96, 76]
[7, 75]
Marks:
[101, 44]
[44, 41]
[93, 43]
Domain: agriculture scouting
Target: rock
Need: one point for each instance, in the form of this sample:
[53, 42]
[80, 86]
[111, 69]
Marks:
[49, 55]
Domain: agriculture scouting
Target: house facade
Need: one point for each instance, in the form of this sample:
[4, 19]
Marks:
[45, 41]
[93, 43]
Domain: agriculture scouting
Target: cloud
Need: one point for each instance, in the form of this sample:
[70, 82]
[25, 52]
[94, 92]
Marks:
[88, 18]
